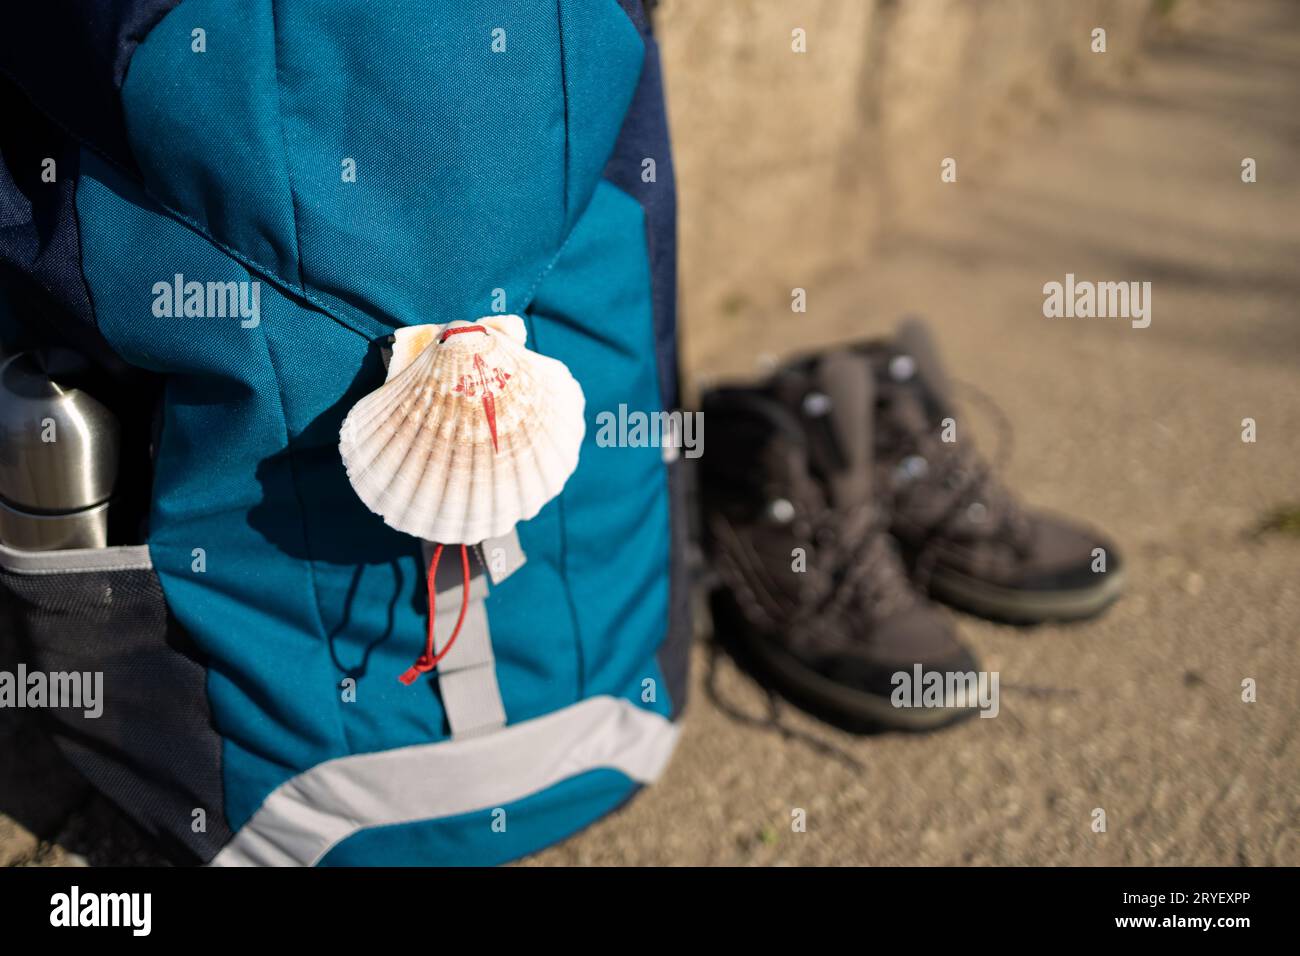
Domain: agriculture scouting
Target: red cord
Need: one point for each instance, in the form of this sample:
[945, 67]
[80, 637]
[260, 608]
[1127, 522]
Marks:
[428, 660]
[463, 328]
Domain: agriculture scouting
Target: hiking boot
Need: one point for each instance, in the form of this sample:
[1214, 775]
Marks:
[965, 539]
[814, 599]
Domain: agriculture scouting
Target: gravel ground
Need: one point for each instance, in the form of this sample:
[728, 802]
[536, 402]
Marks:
[1138, 430]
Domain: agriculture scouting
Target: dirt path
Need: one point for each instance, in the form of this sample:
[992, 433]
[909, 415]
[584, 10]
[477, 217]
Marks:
[1138, 430]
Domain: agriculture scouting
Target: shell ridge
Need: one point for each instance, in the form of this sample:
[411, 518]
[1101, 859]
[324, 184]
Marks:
[372, 459]
[382, 400]
[447, 474]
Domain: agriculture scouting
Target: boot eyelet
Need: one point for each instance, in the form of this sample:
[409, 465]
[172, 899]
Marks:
[781, 511]
[912, 468]
[816, 404]
[902, 368]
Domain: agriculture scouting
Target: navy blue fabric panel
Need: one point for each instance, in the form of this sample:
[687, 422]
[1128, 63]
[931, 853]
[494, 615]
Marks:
[674, 655]
[645, 136]
[70, 58]
[40, 253]
[636, 13]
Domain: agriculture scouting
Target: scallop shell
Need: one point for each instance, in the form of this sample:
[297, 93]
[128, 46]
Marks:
[471, 432]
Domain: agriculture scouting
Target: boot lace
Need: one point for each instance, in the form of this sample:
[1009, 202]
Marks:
[976, 499]
[854, 562]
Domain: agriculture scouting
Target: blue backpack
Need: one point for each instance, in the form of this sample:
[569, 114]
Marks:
[336, 171]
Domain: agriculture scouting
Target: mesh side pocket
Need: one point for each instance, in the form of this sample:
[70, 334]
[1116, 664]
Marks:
[152, 749]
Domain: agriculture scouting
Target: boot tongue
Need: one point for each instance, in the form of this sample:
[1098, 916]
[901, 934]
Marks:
[834, 399]
[917, 360]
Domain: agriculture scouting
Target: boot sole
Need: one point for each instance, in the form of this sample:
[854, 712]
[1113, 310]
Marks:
[1025, 607]
[823, 697]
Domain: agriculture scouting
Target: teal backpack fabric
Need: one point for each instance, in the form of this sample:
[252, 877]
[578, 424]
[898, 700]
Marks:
[367, 167]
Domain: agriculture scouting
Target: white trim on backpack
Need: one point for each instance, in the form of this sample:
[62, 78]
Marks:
[305, 817]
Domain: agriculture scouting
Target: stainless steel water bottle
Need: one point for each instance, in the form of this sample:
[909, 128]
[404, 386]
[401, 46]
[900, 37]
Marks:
[58, 453]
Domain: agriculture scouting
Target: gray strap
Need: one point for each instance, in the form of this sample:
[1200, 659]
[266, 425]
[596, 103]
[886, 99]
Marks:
[502, 556]
[467, 676]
